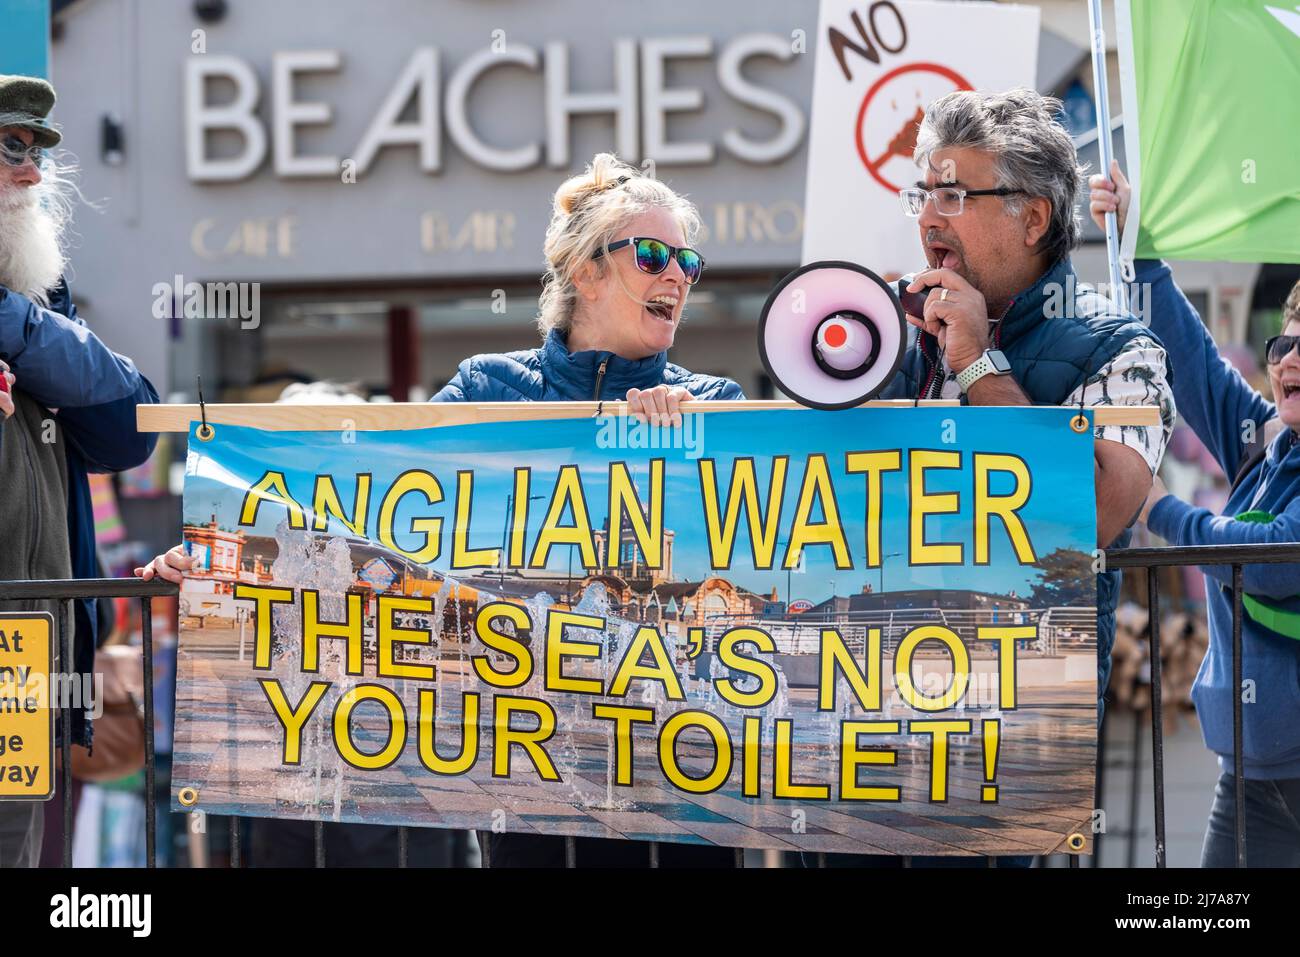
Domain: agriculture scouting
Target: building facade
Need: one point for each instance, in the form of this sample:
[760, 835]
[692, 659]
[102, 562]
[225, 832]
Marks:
[374, 181]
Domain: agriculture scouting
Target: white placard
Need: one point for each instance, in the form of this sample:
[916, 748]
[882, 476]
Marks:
[870, 93]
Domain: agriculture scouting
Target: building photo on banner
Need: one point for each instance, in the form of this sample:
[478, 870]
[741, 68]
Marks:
[830, 433]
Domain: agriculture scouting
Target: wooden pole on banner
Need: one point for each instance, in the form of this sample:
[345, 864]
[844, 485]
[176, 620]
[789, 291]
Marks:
[277, 417]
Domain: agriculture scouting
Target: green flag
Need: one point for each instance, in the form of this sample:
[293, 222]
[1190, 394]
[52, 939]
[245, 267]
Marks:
[1212, 105]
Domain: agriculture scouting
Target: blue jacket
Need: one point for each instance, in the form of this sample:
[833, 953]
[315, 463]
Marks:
[1217, 402]
[552, 373]
[1056, 334]
[60, 363]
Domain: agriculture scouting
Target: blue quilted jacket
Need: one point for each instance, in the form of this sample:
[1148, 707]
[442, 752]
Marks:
[552, 373]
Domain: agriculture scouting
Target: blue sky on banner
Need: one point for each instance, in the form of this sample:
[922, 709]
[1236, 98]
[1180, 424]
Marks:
[1059, 513]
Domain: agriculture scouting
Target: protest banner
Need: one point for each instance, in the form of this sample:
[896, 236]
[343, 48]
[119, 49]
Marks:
[578, 626]
[879, 65]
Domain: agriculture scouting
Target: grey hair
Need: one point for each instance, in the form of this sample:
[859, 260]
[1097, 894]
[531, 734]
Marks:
[1031, 151]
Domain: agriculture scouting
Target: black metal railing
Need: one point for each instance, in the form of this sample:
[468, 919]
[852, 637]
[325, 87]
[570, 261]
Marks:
[63, 591]
[1237, 556]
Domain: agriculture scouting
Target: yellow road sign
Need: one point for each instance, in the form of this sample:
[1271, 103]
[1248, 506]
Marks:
[26, 706]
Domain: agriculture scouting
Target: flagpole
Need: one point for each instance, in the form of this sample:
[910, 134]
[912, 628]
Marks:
[1105, 150]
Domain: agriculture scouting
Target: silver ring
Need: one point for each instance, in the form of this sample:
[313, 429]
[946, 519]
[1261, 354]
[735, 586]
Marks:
[943, 296]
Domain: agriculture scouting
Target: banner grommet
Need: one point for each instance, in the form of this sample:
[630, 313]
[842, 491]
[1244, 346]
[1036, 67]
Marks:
[205, 432]
[188, 797]
[1079, 423]
[1076, 841]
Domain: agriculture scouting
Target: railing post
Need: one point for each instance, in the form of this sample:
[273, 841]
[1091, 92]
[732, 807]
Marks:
[1099, 788]
[66, 664]
[1239, 781]
[1157, 714]
[1135, 789]
[150, 780]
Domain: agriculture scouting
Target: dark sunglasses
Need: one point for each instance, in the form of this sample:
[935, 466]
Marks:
[1279, 347]
[14, 152]
[653, 256]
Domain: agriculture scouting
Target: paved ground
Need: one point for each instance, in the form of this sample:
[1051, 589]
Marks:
[1190, 774]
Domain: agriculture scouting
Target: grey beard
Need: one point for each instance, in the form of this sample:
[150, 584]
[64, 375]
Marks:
[31, 256]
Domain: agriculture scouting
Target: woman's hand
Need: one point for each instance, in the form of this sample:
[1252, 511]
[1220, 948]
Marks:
[6, 394]
[660, 405]
[1107, 195]
[171, 565]
[1158, 491]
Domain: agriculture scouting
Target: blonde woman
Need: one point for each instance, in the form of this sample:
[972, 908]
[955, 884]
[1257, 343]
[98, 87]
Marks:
[619, 268]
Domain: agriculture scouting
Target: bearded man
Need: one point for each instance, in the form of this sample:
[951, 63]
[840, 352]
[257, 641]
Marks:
[69, 408]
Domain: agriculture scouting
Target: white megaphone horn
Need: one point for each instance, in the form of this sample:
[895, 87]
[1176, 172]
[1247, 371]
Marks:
[832, 333]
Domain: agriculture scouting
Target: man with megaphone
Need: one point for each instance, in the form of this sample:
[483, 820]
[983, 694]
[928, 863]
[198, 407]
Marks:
[1005, 321]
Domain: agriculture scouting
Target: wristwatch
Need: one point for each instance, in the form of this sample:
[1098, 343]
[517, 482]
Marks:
[992, 362]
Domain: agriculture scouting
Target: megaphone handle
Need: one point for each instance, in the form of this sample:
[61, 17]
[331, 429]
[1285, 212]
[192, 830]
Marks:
[913, 302]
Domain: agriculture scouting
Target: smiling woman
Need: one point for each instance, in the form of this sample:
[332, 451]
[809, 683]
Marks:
[609, 313]
[619, 269]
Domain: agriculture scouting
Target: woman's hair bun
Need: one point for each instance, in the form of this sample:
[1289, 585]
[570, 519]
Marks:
[605, 171]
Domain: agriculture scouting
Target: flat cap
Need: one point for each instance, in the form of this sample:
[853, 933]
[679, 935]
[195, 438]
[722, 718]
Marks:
[26, 101]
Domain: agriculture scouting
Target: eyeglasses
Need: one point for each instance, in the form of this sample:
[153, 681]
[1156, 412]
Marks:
[14, 152]
[948, 200]
[653, 256]
[1279, 347]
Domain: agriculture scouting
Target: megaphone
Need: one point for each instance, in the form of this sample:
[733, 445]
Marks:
[832, 333]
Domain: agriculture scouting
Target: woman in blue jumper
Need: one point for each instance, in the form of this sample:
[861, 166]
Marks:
[619, 267]
[1257, 443]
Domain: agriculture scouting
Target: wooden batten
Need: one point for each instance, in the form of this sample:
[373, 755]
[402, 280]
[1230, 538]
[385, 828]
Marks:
[277, 417]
